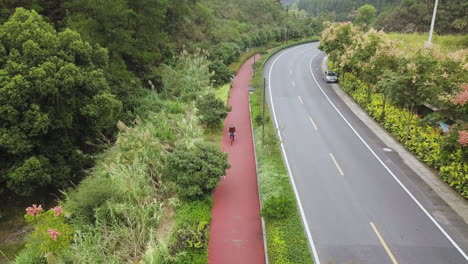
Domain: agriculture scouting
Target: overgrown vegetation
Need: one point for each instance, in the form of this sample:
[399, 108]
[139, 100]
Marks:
[285, 235]
[116, 211]
[116, 51]
[89, 64]
[391, 83]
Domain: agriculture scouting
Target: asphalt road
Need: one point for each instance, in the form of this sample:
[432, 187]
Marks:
[360, 203]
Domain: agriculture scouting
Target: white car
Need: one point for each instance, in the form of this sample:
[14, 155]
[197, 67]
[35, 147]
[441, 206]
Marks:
[330, 77]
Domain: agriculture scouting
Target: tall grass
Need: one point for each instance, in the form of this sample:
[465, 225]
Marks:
[447, 43]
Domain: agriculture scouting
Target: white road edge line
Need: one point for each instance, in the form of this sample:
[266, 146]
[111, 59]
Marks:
[336, 164]
[301, 210]
[313, 123]
[294, 85]
[300, 99]
[385, 166]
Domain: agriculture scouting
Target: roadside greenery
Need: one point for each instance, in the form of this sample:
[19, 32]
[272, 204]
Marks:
[391, 83]
[285, 235]
[146, 64]
[114, 51]
[136, 189]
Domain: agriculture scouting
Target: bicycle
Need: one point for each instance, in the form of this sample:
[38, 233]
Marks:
[231, 136]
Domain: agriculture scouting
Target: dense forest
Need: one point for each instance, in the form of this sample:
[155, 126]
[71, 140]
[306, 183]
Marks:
[395, 15]
[69, 70]
[341, 10]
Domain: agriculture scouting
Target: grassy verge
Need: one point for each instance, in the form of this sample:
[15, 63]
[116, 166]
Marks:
[286, 239]
[448, 43]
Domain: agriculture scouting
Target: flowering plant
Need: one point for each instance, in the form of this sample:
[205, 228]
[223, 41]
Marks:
[51, 233]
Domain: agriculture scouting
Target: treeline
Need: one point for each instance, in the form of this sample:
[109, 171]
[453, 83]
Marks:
[342, 10]
[69, 70]
[396, 15]
[415, 16]
[392, 83]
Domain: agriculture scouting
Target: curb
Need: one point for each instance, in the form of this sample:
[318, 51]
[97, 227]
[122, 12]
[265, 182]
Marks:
[258, 180]
[258, 187]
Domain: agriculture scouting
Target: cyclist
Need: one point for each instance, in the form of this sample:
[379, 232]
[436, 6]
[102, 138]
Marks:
[232, 132]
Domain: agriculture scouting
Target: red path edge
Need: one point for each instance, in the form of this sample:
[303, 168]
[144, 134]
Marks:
[236, 234]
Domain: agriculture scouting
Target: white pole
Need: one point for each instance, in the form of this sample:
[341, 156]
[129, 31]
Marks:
[429, 41]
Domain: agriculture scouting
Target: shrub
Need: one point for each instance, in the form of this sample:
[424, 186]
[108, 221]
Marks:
[196, 171]
[32, 174]
[51, 234]
[226, 52]
[276, 207]
[194, 236]
[212, 110]
[221, 73]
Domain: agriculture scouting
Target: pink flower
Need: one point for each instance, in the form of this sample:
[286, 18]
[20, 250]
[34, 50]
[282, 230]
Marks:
[463, 138]
[57, 210]
[462, 97]
[34, 210]
[53, 233]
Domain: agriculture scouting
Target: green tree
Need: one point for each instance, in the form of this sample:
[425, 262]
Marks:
[212, 110]
[187, 77]
[197, 170]
[366, 16]
[221, 73]
[53, 99]
[412, 84]
[336, 39]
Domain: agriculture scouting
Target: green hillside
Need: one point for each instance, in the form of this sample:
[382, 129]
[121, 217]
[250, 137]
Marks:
[108, 107]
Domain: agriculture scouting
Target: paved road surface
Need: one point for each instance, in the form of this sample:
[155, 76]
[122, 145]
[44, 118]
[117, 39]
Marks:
[361, 204]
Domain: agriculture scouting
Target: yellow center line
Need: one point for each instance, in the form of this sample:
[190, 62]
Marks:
[336, 164]
[383, 243]
[313, 123]
[300, 99]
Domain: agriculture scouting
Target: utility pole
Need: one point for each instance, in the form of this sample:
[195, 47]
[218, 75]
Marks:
[429, 41]
[263, 118]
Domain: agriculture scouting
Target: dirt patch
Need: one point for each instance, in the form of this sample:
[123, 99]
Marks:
[166, 224]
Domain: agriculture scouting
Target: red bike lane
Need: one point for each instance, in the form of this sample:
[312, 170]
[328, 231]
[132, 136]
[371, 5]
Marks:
[236, 234]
